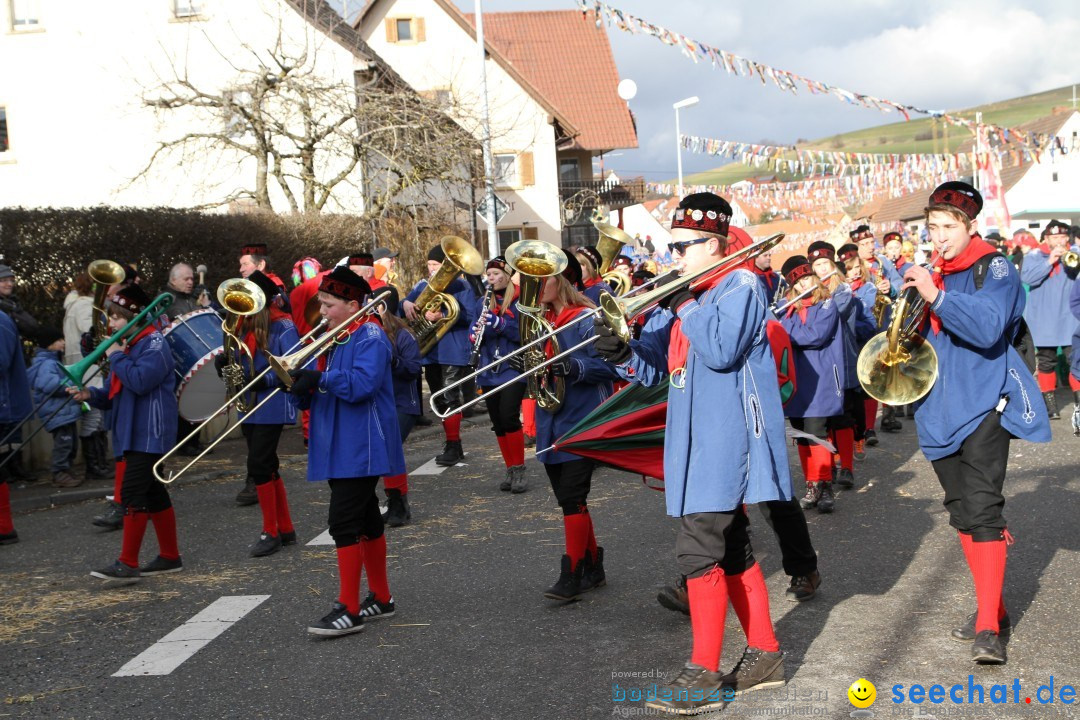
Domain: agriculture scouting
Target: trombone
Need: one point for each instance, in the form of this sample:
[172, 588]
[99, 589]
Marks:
[76, 371]
[617, 312]
[279, 366]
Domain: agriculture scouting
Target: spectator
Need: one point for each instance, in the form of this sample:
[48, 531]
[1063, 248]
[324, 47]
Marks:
[58, 413]
[24, 321]
[79, 319]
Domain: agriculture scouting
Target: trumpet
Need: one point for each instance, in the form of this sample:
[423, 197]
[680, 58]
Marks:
[461, 257]
[241, 298]
[899, 366]
[617, 312]
[280, 366]
[611, 242]
[1071, 259]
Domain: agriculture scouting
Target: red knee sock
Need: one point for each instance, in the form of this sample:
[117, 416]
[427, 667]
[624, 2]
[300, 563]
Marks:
[396, 482]
[987, 563]
[845, 446]
[870, 408]
[528, 416]
[1047, 381]
[452, 427]
[819, 465]
[165, 529]
[590, 546]
[375, 567]
[6, 526]
[118, 480]
[750, 598]
[804, 460]
[281, 502]
[349, 561]
[576, 529]
[515, 448]
[305, 420]
[268, 505]
[501, 439]
[1074, 383]
[708, 608]
[134, 529]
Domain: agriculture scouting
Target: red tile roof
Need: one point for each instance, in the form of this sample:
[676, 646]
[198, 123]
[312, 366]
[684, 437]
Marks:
[568, 59]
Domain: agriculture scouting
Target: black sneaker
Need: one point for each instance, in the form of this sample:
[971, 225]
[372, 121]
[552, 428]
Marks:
[287, 538]
[870, 437]
[160, 566]
[507, 481]
[593, 575]
[249, 495]
[694, 690]
[338, 622]
[675, 597]
[987, 649]
[756, 670]
[267, 544]
[891, 425]
[397, 508]
[452, 454]
[1051, 405]
[9, 538]
[845, 478]
[112, 518]
[372, 609]
[803, 587]
[826, 501]
[568, 587]
[118, 574]
[966, 632]
[519, 483]
[812, 496]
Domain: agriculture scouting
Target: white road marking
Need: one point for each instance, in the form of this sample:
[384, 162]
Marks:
[323, 539]
[169, 652]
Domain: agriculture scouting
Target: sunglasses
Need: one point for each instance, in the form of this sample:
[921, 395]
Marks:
[680, 246]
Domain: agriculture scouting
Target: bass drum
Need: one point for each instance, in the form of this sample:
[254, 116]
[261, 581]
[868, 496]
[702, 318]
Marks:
[195, 340]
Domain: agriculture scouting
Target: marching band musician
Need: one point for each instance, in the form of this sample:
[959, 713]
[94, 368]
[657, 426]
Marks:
[1074, 368]
[863, 327]
[16, 391]
[587, 379]
[255, 256]
[501, 336]
[982, 397]
[354, 441]
[405, 368]
[269, 330]
[140, 391]
[1047, 313]
[448, 361]
[714, 339]
[590, 260]
[814, 326]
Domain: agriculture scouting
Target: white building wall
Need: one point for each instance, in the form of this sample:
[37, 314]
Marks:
[73, 93]
[1039, 195]
[447, 60]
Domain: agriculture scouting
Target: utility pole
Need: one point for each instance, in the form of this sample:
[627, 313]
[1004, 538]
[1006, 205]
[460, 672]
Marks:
[485, 137]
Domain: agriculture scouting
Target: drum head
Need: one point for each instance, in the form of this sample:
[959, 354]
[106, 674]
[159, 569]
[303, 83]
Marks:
[201, 391]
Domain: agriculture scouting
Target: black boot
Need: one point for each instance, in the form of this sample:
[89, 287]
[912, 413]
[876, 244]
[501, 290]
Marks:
[100, 440]
[248, 496]
[675, 597]
[1051, 405]
[593, 575]
[826, 501]
[112, 518]
[93, 461]
[568, 587]
[452, 454]
[397, 508]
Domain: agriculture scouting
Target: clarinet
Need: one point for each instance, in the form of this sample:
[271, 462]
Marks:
[478, 336]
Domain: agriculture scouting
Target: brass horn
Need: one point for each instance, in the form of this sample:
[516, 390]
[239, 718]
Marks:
[899, 366]
[461, 257]
[241, 297]
[611, 242]
[535, 260]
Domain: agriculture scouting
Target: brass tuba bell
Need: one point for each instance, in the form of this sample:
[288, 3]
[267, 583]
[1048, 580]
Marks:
[241, 298]
[899, 366]
[461, 257]
[611, 242]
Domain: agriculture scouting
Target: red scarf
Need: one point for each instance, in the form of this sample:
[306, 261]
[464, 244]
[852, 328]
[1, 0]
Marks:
[801, 307]
[678, 344]
[558, 320]
[594, 281]
[976, 248]
[856, 284]
[115, 386]
[1056, 267]
[347, 332]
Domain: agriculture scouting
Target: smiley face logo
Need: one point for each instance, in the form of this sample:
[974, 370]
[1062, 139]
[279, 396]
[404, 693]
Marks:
[862, 693]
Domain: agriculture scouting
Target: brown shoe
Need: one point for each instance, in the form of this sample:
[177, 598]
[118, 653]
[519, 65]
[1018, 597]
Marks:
[64, 479]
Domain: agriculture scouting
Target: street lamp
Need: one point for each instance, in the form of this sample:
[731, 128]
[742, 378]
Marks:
[688, 102]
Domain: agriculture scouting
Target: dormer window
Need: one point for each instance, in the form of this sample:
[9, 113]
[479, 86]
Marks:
[405, 30]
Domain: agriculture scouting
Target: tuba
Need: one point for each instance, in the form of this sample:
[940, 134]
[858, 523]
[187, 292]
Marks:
[105, 274]
[461, 257]
[241, 298]
[536, 260]
[610, 244]
[899, 366]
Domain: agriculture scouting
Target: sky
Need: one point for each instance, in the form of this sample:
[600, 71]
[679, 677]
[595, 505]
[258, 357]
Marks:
[936, 54]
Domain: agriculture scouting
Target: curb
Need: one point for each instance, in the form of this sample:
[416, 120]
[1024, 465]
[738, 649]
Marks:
[68, 497]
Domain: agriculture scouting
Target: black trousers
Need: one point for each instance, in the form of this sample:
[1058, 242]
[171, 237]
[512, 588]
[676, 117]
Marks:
[439, 376]
[571, 482]
[1046, 358]
[788, 522]
[504, 408]
[713, 538]
[973, 478]
[354, 510]
[855, 412]
[141, 491]
[262, 457]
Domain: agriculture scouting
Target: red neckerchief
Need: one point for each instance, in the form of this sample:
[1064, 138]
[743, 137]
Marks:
[856, 284]
[275, 315]
[678, 344]
[769, 276]
[115, 386]
[800, 307]
[321, 362]
[558, 320]
[594, 281]
[977, 248]
[1056, 267]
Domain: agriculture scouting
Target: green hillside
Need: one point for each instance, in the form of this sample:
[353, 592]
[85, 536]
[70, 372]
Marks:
[923, 135]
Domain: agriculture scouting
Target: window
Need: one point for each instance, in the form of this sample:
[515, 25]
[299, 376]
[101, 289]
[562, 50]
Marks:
[505, 167]
[569, 170]
[187, 8]
[3, 130]
[508, 238]
[1054, 177]
[25, 14]
[405, 30]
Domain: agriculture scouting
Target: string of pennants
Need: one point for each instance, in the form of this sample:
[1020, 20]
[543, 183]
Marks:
[785, 80]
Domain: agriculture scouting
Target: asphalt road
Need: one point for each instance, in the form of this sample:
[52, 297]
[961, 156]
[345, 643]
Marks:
[474, 638]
